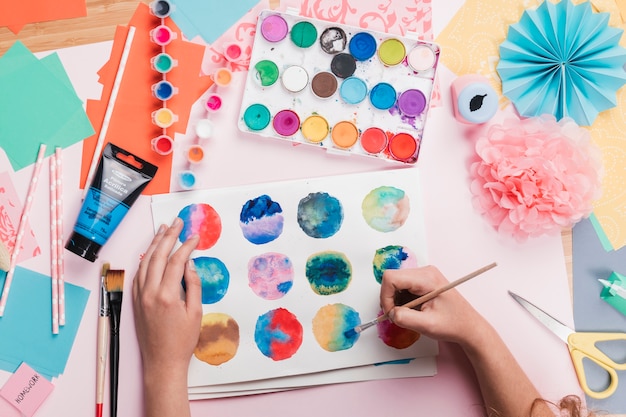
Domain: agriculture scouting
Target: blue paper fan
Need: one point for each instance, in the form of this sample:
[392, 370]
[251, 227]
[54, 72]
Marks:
[562, 59]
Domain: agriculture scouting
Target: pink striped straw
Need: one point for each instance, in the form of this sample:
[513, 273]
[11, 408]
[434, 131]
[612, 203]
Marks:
[30, 195]
[54, 259]
[59, 222]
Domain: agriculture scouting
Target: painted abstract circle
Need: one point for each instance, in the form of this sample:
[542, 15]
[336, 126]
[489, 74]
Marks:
[395, 336]
[261, 220]
[392, 257]
[328, 272]
[214, 278]
[330, 325]
[219, 339]
[270, 275]
[386, 208]
[278, 334]
[320, 215]
[202, 220]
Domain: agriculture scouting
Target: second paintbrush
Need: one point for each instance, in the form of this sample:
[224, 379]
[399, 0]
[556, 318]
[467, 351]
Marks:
[115, 288]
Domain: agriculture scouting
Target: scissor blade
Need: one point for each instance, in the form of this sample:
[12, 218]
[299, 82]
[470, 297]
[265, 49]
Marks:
[558, 328]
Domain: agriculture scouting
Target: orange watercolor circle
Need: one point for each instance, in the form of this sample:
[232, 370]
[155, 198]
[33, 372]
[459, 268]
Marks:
[344, 134]
[403, 147]
[315, 128]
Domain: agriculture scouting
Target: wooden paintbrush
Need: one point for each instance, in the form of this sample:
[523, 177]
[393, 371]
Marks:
[420, 300]
[5, 257]
[114, 288]
[102, 339]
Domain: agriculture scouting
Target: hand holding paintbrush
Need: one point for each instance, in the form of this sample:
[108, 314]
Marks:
[114, 288]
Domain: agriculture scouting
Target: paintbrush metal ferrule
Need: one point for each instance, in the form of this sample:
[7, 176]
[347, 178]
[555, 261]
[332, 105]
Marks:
[104, 299]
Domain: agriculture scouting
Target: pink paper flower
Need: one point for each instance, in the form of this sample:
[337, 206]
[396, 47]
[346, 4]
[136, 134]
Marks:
[535, 176]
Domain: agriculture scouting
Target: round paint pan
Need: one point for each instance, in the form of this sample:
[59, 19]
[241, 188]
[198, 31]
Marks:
[232, 52]
[204, 129]
[324, 84]
[257, 117]
[162, 35]
[362, 46]
[333, 40]
[213, 103]
[223, 77]
[161, 8]
[286, 123]
[163, 145]
[164, 117]
[163, 63]
[187, 180]
[163, 90]
[383, 96]
[303, 34]
[274, 28]
[344, 134]
[373, 140]
[266, 72]
[421, 58]
[403, 147]
[343, 65]
[315, 128]
[391, 52]
[412, 102]
[195, 154]
[353, 90]
[295, 79]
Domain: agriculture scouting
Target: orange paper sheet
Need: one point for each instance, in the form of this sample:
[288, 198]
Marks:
[131, 125]
[16, 14]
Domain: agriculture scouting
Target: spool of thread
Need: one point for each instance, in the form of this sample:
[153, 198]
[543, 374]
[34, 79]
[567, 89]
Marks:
[187, 180]
[204, 129]
[163, 90]
[162, 35]
[163, 145]
[163, 63]
[213, 102]
[164, 117]
[222, 77]
[195, 154]
[474, 101]
[161, 8]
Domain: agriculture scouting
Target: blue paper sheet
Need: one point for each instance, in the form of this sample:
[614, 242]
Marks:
[26, 327]
[208, 18]
[591, 313]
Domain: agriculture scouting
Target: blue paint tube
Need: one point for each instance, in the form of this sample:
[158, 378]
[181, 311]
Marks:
[117, 183]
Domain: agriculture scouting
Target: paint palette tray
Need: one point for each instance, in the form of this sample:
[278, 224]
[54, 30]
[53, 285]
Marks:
[341, 88]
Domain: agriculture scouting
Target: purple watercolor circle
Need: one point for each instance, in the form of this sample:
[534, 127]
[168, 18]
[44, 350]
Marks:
[412, 103]
[274, 28]
[286, 122]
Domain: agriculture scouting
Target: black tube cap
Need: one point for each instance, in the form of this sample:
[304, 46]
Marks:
[83, 247]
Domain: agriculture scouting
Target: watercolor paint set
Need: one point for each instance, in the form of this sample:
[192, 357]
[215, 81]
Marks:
[342, 88]
[284, 280]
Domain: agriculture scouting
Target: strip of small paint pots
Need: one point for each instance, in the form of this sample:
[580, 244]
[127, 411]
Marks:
[324, 84]
[274, 28]
[223, 77]
[403, 147]
[353, 90]
[119, 180]
[163, 63]
[286, 122]
[161, 8]
[213, 103]
[187, 180]
[391, 52]
[344, 134]
[315, 128]
[195, 154]
[164, 90]
[295, 78]
[421, 58]
[204, 129]
[266, 72]
[257, 117]
[362, 46]
[232, 52]
[163, 145]
[343, 65]
[383, 96]
[373, 140]
[162, 35]
[412, 102]
[164, 117]
[333, 40]
[303, 34]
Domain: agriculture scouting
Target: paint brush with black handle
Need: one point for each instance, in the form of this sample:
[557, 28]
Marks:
[115, 288]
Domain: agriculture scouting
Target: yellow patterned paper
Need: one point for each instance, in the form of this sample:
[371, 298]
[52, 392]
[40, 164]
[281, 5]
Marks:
[470, 45]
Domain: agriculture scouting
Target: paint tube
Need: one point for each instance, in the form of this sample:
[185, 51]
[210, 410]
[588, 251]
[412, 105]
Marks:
[117, 183]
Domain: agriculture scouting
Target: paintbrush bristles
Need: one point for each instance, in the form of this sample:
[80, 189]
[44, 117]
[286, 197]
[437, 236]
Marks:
[114, 280]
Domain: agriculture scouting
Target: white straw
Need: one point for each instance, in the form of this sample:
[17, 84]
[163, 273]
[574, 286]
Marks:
[54, 259]
[59, 242]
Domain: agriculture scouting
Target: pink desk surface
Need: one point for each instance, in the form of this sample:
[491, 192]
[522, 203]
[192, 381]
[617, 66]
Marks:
[459, 242]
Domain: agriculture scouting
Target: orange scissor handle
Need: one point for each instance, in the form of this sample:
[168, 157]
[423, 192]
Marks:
[583, 345]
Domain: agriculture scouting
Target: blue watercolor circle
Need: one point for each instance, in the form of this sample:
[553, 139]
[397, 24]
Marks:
[362, 46]
[214, 278]
[261, 220]
[320, 215]
[328, 272]
[383, 96]
[353, 90]
[392, 257]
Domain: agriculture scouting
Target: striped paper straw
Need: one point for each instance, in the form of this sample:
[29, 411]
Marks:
[30, 195]
[54, 259]
[59, 222]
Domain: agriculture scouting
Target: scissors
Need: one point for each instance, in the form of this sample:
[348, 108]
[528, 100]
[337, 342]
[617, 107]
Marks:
[581, 345]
